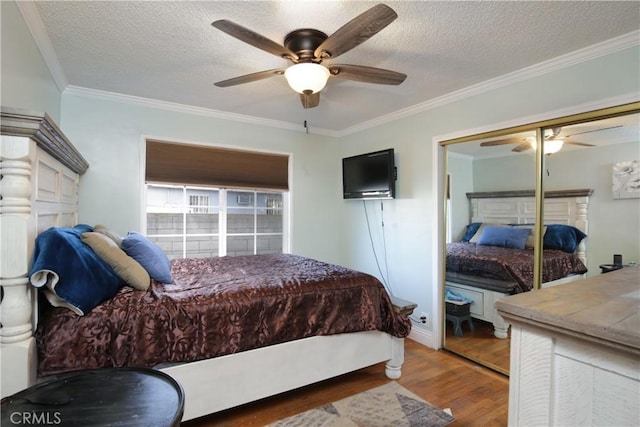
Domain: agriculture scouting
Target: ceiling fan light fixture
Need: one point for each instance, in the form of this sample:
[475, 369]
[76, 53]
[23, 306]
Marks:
[551, 146]
[307, 76]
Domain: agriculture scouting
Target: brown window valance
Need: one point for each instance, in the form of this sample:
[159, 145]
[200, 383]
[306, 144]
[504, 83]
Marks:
[223, 167]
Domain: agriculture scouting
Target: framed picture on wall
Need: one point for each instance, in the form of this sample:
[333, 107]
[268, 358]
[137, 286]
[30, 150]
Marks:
[626, 180]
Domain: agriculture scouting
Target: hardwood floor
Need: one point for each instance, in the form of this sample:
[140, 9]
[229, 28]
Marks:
[481, 345]
[477, 396]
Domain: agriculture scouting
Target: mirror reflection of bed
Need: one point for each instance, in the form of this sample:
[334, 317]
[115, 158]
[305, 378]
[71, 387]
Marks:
[485, 177]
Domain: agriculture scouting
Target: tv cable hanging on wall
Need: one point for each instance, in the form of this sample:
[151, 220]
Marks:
[385, 281]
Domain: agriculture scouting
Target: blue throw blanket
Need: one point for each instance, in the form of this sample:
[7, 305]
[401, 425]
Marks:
[71, 274]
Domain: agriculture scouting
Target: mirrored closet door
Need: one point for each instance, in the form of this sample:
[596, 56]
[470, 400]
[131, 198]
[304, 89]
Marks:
[478, 173]
[588, 173]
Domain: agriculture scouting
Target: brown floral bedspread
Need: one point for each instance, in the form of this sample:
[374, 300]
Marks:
[217, 306]
[516, 265]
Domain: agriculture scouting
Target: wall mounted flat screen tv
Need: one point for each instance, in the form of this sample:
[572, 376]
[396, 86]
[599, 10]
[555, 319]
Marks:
[369, 176]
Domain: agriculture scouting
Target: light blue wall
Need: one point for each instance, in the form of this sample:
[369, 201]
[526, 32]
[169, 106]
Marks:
[110, 136]
[26, 81]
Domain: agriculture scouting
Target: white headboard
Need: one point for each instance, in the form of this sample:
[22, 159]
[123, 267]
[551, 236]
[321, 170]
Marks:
[39, 170]
[568, 207]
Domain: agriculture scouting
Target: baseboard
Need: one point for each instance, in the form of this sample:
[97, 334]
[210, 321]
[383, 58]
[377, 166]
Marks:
[423, 336]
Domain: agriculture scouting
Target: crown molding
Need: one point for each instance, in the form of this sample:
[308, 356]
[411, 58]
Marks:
[32, 18]
[84, 92]
[613, 101]
[598, 50]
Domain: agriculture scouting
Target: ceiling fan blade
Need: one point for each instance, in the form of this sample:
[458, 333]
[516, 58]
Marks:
[501, 142]
[361, 73]
[522, 147]
[582, 144]
[594, 130]
[356, 31]
[254, 39]
[310, 100]
[247, 78]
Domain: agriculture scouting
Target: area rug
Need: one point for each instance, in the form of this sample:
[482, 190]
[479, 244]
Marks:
[384, 406]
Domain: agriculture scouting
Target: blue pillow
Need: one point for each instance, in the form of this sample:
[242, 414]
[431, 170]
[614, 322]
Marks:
[506, 237]
[72, 274]
[149, 256]
[471, 230]
[563, 237]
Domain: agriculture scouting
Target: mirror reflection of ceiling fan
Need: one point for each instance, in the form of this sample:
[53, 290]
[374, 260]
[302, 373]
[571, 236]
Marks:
[308, 48]
[553, 140]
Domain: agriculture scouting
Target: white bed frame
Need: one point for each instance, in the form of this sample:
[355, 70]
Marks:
[518, 207]
[40, 172]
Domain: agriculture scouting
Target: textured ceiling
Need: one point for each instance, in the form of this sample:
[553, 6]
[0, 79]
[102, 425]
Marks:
[169, 51]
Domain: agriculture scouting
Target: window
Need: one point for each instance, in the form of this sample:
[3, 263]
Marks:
[253, 227]
[191, 213]
[199, 222]
[274, 206]
[198, 203]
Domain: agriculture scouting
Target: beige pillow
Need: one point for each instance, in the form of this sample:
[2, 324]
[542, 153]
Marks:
[127, 268]
[531, 239]
[109, 233]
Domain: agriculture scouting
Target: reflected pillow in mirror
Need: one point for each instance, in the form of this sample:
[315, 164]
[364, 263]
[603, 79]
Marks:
[470, 231]
[531, 240]
[506, 237]
[480, 230]
[563, 237]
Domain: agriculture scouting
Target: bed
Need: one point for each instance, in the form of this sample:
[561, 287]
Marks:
[40, 175]
[494, 257]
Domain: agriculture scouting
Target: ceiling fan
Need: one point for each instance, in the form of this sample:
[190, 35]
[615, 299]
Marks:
[553, 141]
[307, 48]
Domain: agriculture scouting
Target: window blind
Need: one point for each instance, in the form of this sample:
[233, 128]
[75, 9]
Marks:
[202, 165]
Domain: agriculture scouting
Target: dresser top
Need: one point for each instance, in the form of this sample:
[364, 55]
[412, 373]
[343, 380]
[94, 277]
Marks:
[603, 309]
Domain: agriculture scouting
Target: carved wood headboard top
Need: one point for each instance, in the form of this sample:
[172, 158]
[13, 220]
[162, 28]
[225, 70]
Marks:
[42, 129]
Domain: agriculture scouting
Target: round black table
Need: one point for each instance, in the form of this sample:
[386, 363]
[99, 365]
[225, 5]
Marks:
[98, 397]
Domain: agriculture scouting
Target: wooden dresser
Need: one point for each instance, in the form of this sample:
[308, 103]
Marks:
[575, 352]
